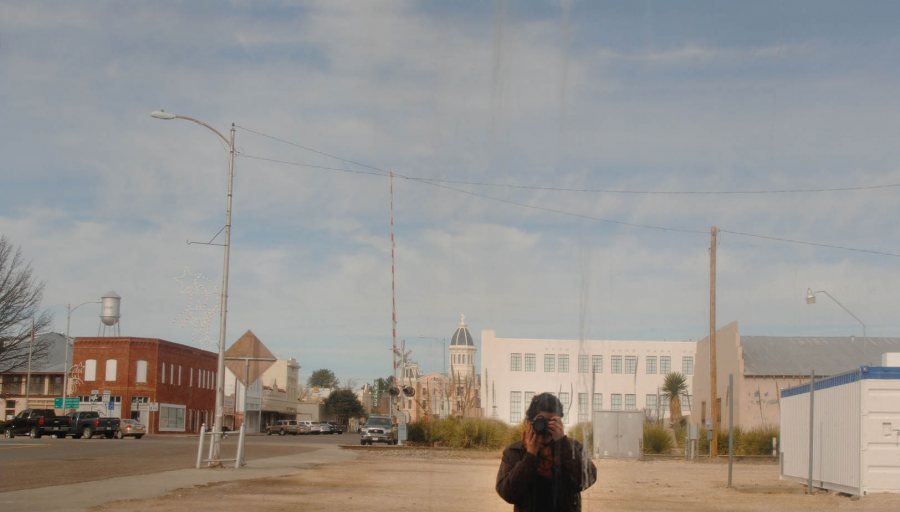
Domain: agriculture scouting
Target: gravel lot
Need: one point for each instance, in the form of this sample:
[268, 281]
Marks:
[401, 480]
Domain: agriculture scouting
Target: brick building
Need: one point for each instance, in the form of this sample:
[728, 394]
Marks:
[167, 386]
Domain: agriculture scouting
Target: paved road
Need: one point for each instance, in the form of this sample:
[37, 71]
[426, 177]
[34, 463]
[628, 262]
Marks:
[33, 463]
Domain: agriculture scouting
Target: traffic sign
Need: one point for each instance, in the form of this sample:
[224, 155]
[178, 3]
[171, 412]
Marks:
[111, 405]
[71, 402]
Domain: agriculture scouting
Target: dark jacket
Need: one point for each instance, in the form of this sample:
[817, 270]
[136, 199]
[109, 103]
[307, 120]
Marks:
[519, 483]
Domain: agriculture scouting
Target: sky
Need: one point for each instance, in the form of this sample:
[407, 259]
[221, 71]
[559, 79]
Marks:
[558, 168]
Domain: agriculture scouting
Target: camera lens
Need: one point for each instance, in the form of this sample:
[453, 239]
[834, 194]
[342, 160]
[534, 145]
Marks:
[539, 425]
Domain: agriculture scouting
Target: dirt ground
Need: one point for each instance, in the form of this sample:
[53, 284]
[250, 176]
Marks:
[438, 481]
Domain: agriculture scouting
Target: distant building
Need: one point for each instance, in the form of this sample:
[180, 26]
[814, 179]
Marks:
[167, 386]
[439, 395]
[271, 397]
[764, 365]
[590, 375]
[46, 379]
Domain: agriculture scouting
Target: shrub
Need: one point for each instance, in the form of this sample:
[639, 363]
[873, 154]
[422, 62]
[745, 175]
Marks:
[656, 438]
[460, 433]
[757, 441]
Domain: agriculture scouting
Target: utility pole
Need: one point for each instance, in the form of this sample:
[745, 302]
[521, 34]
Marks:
[714, 403]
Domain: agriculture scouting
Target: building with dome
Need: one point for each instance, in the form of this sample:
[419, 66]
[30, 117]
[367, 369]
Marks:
[440, 395]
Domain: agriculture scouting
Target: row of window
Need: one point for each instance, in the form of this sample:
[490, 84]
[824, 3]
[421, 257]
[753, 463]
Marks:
[169, 373]
[559, 363]
[618, 402]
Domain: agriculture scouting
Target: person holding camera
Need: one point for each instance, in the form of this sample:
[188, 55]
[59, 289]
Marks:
[545, 471]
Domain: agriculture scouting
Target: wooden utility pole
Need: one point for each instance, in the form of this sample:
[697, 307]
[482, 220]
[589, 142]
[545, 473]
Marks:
[714, 402]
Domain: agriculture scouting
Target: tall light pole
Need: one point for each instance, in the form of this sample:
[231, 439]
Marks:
[223, 303]
[69, 310]
[811, 299]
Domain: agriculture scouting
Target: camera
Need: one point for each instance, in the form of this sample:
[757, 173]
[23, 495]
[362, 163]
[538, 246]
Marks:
[541, 426]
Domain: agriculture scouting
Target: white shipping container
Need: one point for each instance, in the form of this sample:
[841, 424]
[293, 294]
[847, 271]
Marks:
[856, 432]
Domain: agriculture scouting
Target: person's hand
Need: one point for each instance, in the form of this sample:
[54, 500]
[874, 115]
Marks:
[556, 429]
[532, 441]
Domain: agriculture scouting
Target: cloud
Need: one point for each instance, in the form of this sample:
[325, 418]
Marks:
[101, 196]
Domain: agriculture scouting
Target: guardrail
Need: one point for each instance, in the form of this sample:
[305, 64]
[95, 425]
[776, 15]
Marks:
[238, 459]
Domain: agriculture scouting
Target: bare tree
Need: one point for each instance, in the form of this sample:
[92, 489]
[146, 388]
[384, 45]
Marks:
[20, 315]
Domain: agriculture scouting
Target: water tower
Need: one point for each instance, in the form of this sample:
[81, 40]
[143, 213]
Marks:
[109, 313]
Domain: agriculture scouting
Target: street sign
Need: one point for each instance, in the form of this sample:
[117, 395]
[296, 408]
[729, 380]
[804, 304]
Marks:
[111, 405]
[71, 402]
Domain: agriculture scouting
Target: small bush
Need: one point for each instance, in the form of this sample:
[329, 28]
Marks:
[460, 433]
[656, 438]
[757, 441]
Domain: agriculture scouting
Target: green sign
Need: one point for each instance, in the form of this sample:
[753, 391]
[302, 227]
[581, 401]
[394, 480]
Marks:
[71, 402]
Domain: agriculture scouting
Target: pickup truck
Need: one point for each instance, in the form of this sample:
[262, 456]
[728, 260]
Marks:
[86, 424]
[35, 423]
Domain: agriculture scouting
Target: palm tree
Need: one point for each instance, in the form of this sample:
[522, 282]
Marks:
[675, 385]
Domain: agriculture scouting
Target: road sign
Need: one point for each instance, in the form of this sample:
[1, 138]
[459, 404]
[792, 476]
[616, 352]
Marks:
[111, 405]
[71, 402]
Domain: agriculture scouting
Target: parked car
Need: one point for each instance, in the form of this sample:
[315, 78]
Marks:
[131, 428]
[86, 424]
[378, 429]
[284, 427]
[316, 428]
[35, 423]
[333, 427]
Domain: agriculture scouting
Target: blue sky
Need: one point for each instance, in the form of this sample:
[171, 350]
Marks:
[649, 97]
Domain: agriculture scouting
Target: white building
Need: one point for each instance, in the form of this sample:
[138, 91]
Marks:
[273, 396]
[589, 375]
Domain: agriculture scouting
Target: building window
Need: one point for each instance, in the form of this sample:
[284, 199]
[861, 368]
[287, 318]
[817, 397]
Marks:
[549, 363]
[616, 364]
[528, 396]
[515, 406]
[141, 373]
[530, 362]
[172, 373]
[630, 365]
[56, 385]
[515, 362]
[111, 366]
[179, 375]
[630, 402]
[563, 364]
[582, 363]
[687, 365]
[12, 385]
[597, 404]
[566, 401]
[90, 370]
[597, 364]
[583, 407]
[650, 405]
[163, 374]
[664, 404]
[665, 364]
[616, 401]
[171, 418]
[651, 365]
[190, 377]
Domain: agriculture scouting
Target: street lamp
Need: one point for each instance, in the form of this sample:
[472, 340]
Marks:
[69, 310]
[811, 299]
[223, 303]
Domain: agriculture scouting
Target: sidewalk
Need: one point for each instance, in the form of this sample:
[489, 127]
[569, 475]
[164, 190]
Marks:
[88, 495]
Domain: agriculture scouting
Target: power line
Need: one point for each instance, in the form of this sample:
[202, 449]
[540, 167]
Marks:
[443, 184]
[855, 188]
[815, 244]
